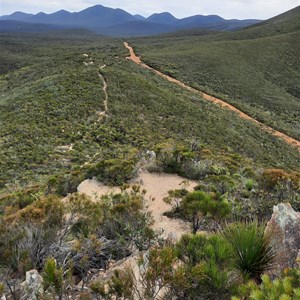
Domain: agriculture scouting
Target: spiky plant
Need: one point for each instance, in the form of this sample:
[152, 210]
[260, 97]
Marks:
[252, 249]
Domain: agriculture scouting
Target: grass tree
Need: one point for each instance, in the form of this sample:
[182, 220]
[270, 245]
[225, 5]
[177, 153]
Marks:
[252, 249]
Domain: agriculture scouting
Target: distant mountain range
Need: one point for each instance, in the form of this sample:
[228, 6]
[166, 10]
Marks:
[116, 22]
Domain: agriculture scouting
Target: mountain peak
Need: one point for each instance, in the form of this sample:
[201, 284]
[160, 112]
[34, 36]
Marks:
[164, 18]
[139, 17]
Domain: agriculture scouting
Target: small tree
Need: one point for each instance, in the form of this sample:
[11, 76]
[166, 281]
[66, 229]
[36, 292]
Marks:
[213, 256]
[53, 277]
[199, 206]
[174, 198]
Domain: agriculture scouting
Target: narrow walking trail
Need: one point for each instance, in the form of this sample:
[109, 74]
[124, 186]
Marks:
[105, 101]
[133, 57]
[90, 62]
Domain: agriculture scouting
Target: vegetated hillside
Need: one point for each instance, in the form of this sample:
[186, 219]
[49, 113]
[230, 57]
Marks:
[19, 26]
[136, 28]
[56, 131]
[254, 69]
[284, 23]
[50, 103]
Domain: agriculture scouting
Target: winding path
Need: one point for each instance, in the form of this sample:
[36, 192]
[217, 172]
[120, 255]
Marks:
[105, 101]
[133, 57]
[101, 114]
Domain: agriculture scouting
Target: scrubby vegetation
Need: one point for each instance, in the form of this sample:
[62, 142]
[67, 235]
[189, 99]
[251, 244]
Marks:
[286, 287]
[70, 238]
[52, 138]
[255, 69]
[49, 123]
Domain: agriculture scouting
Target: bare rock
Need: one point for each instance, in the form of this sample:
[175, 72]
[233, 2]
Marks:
[33, 286]
[151, 155]
[285, 226]
[172, 238]
[298, 259]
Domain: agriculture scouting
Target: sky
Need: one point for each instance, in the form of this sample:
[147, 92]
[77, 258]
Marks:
[229, 9]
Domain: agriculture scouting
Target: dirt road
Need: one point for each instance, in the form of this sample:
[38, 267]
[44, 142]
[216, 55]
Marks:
[133, 57]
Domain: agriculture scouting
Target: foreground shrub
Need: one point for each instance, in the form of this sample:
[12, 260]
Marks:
[214, 255]
[53, 277]
[285, 288]
[197, 267]
[78, 233]
[199, 207]
[252, 249]
[270, 178]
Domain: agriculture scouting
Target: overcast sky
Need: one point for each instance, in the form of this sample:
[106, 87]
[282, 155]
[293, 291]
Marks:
[240, 9]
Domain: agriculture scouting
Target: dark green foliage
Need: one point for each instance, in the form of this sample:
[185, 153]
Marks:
[174, 198]
[66, 183]
[286, 287]
[199, 207]
[113, 171]
[252, 249]
[215, 258]
[197, 267]
[53, 277]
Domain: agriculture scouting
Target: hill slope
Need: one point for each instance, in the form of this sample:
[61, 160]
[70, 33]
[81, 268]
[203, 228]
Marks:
[254, 69]
[50, 100]
[19, 26]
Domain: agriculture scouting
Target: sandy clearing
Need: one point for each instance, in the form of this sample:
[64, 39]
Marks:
[210, 98]
[157, 186]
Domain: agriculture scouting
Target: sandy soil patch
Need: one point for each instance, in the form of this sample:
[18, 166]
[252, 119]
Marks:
[157, 187]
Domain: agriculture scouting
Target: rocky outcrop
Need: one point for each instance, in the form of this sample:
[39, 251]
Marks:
[33, 286]
[285, 228]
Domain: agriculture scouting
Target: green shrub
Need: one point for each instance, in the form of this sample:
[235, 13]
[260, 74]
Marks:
[2, 288]
[252, 249]
[197, 267]
[53, 277]
[199, 207]
[286, 287]
[249, 184]
[66, 183]
[113, 171]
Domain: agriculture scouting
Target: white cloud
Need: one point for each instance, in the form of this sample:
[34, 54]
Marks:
[241, 9]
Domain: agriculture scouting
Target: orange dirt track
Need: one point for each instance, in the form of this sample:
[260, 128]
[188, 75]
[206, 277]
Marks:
[286, 138]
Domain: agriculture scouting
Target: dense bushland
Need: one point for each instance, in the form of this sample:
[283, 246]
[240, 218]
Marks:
[256, 69]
